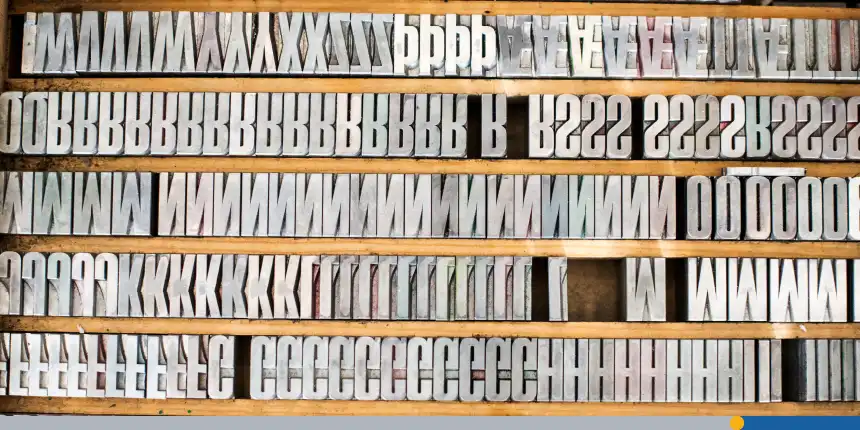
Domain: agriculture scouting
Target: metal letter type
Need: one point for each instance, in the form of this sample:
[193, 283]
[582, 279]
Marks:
[747, 289]
[473, 364]
[308, 204]
[315, 360]
[784, 208]
[757, 129]
[446, 359]
[679, 370]
[515, 45]
[390, 205]
[682, 143]
[705, 373]
[692, 42]
[500, 206]
[708, 127]
[576, 359]
[263, 366]
[557, 285]
[497, 385]
[255, 204]
[607, 203]
[132, 203]
[92, 203]
[401, 120]
[619, 47]
[335, 205]
[323, 114]
[541, 121]
[586, 45]
[847, 49]
[16, 196]
[645, 289]
[393, 369]
[789, 290]
[417, 205]
[653, 370]
[835, 201]
[853, 209]
[454, 120]
[524, 370]
[834, 119]
[757, 206]
[494, 119]
[772, 47]
[656, 126]
[810, 212]
[601, 370]
[348, 134]
[619, 141]
[472, 201]
[550, 381]
[227, 204]
[699, 208]
[730, 371]
[635, 207]
[745, 64]
[374, 124]
[582, 206]
[419, 369]
[49, 48]
[527, 206]
[828, 290]
[706, 286]
[593, 121]
[341, 378]
[803, 49]
[367, 368]
[661, 207]
[783, 126]
[809, 142]
[568, 118]
[655, 47]
[733, 140]
[550, 46]
[362, 205]
[52, 202]
[627, 370]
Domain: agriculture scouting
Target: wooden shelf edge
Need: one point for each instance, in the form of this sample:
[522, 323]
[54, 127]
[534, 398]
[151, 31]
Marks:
[245, 407]
[438, 7]
[454, 329]
[511, 87]
[407, 165]
[571, 248]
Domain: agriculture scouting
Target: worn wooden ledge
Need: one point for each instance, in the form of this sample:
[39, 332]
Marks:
[409, 165]
[571, 248]
[511, 87]
[245, 407]
[438, 7]
[483, 329]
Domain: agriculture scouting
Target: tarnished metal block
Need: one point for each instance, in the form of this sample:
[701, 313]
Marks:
[834, 119]
[772, 47]
[49, 44]
[645, 289]
[52, 202]
[515, 45]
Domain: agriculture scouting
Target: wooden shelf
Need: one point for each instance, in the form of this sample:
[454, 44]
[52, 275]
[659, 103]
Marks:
[408, 165]
[438, 7]
[571, 248]
[511, 87]
[568, 330]
[245, 407]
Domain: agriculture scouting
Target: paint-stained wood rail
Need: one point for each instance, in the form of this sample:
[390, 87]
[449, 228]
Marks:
[568, 330]
[245, 407]
[511, 87]
[407, 165]
[571, 248]
[439, 7]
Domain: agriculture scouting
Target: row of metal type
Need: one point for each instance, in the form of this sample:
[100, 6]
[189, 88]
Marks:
[362, 287]
[430, 369]
[429, 205]
[564, 126]
[364, 44]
